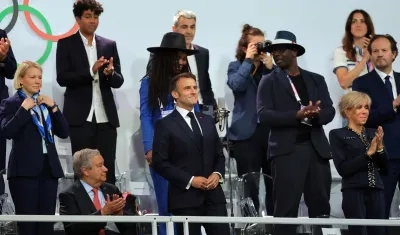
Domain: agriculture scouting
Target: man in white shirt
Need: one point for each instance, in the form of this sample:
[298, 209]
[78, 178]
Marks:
[383, 86]
[88, 66]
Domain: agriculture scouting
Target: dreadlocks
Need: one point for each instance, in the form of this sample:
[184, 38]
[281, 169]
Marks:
[164, 67]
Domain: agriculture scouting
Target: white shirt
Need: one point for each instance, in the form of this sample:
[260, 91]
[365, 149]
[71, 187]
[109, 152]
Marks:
[391, 79]
[193, 69]
[340, 60]
[97, 107]
[184, 113]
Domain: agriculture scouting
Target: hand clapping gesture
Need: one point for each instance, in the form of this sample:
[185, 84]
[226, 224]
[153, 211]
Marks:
[376, 143]
[4, 46]
[109, 70]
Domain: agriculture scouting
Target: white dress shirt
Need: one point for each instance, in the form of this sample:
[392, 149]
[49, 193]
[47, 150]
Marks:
[184, 113]
[193, 69]
[97, 107]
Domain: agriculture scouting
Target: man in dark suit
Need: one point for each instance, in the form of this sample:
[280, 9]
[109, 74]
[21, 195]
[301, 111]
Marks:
[8, 66]
[90, 195]
[88, 66]
[296, 104]
[383, 86]
[188, 153]
[185, 23]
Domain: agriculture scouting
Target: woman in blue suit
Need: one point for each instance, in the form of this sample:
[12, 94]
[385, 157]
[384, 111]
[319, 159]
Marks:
[156, 101]
[31, 120]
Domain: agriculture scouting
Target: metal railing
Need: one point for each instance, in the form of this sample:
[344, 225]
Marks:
[170, 220]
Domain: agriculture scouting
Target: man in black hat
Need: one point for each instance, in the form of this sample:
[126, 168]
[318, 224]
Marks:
[296, 104]
[156, 102]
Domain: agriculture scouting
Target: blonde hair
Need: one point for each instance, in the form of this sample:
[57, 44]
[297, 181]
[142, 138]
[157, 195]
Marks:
[21, 71]
[352, 100]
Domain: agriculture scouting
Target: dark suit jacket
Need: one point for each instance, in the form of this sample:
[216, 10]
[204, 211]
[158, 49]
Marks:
[277, 107]
[202, 61]
[382, 112]
[244, 89]
[177, 158]
[73, 72]
[7, 68]
[26, 157]
[351, 160]
[76, 201]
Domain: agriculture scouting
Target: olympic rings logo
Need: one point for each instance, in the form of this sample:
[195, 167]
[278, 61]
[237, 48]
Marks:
[28, 11]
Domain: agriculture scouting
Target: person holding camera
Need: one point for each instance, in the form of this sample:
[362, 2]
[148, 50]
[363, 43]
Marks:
[247, 134]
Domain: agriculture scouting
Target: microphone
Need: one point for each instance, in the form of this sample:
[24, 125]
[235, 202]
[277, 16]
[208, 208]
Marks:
[221, 112]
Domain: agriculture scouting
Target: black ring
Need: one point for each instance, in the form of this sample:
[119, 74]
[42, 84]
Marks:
[14, 17]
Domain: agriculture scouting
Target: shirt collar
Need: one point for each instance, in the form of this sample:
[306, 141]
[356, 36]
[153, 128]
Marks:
[182, 111]
[87, 187]
[85, 41]
[383, 75]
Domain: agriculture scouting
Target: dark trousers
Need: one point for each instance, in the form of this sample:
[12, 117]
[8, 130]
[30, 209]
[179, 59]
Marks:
[205, 210]
[363, 203]
[35, 196]
[391, 181]
[100, 136]
[302, 171]
[251, 156]
[3, 144]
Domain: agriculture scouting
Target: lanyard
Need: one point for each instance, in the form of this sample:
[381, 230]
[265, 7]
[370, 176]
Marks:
[294, 90]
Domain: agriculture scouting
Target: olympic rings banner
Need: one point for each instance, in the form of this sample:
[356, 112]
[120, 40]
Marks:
[15, 8]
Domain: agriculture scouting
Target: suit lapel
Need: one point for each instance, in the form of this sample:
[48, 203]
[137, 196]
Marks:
[182, 123]
[397, 81]
[310, 84]
[81, 49]
[378, 84]
[83, 197]
[99, 47]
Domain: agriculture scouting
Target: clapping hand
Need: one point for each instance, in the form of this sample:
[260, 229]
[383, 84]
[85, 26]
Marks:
[379, 137]
[4, 46]
[109, 70]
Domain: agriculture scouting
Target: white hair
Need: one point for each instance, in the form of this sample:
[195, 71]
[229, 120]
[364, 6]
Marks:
[185, 14]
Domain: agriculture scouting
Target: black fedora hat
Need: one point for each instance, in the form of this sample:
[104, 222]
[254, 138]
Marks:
[286, 38]
[172, 42]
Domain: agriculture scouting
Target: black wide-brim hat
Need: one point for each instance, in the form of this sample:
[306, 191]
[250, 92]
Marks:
[172, 42]
[286, 38]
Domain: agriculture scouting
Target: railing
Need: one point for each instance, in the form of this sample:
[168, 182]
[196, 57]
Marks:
[170, 220]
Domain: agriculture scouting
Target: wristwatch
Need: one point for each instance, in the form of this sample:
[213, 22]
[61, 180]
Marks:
[52, 107]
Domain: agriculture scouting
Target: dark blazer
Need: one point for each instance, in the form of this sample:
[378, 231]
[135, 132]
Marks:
[244, 89]
[76, 201]
[26, 157]
[7, 68]
[351, 160]
[202, 61]
[382, 112]
[73, 72]
[177, 158]
[277, 107]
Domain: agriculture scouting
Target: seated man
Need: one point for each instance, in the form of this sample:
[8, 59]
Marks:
[91, 195]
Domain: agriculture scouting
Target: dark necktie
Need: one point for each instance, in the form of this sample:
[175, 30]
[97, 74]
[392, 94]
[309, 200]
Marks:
[196, 129]
[388, 86]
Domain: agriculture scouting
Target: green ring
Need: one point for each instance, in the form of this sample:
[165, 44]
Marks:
[45, 23]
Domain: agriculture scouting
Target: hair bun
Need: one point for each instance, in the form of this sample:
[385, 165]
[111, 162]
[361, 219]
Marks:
[246, 28]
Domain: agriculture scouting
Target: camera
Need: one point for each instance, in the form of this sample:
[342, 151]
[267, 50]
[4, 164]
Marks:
[262, 46]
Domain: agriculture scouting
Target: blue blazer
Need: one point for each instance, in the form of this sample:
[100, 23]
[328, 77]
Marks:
[7, 68]
[26, 157]
[277, 107]
[382, 112]
[148, 116]
[244, 89]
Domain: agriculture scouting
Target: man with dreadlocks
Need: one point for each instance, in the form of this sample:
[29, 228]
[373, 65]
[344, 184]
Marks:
[156, 101]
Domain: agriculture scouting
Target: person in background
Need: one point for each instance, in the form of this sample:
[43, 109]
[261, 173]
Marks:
[88, 66]
[31, 120]
[156, 102]
[383, 86]
[246, 132]
[360, 160]
[352, 59]
[8, 66]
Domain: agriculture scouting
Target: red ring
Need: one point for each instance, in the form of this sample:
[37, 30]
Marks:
[44, 35]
